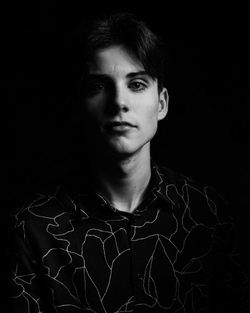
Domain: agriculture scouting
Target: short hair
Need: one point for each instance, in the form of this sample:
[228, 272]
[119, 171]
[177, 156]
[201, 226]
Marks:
[129, 31]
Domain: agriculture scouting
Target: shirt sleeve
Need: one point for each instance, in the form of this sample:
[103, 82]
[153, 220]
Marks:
[229, 284]
[25, 280]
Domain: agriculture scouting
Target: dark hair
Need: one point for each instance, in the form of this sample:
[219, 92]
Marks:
[127, 30]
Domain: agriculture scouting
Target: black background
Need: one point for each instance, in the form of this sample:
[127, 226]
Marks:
[206, 133]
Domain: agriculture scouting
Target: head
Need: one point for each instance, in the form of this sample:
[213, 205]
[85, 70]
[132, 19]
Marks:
[122, 93]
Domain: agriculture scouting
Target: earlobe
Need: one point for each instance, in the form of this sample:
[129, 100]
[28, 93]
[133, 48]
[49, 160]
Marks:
[163, 104]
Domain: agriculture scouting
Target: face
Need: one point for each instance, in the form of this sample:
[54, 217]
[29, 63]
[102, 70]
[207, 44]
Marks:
[122, 104]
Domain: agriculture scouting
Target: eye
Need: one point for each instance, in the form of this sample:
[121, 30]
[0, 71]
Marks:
[137, 85]
[94, 87]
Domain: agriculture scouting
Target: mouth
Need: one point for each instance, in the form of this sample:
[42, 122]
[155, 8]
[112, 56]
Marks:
[119, 126]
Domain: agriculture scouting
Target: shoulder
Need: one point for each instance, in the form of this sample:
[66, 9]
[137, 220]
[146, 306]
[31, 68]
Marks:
[201, 213]
[194, 197]
[42, 209]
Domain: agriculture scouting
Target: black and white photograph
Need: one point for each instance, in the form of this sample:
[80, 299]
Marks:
[126, 148]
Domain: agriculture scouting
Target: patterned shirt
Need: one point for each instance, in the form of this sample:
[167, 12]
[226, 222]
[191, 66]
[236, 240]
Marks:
[73, 252]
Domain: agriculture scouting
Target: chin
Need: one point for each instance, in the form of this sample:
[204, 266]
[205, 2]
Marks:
[121, 151]
[127, 150]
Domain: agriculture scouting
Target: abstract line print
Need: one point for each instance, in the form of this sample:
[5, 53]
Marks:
[159, 260]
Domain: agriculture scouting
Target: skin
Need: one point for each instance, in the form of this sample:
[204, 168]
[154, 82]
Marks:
[120, 90]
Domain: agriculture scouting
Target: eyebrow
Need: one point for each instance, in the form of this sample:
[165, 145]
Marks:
[139, 73]
[129, 75]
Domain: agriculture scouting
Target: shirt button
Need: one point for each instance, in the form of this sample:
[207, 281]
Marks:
[139, 276]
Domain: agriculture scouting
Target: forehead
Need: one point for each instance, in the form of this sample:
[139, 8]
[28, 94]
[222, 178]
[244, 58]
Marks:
[114, 60]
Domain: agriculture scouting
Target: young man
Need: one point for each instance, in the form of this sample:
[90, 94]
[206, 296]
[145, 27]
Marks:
[129, 236]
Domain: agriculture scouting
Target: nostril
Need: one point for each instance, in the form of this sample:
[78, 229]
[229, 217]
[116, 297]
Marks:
[115, 105]
[124, 108]
[113, 109]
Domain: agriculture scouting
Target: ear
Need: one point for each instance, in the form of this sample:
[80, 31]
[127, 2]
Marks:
[163, 104]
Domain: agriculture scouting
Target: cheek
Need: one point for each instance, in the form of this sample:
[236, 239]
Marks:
[151, 108]
[93, 107]
[151, 115]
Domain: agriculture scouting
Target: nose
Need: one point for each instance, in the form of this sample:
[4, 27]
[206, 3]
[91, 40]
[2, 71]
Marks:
[119, 99]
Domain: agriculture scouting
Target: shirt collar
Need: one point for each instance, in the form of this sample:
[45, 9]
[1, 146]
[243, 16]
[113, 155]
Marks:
[92, 204]
[158, 182]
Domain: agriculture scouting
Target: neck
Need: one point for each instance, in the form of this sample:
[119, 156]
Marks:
[123, 181]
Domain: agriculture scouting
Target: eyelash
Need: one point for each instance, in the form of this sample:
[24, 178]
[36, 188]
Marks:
[98, 87]
[95, 88]
[142, 87]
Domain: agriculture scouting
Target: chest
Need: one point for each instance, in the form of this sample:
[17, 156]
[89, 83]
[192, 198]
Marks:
[148, 259]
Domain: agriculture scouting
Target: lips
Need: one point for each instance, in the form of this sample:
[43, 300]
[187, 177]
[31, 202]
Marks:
[119, 125]
[116, 124]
